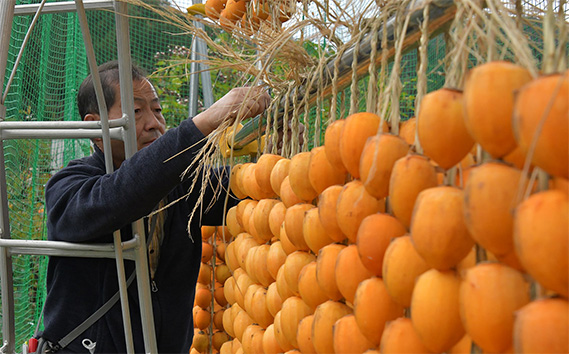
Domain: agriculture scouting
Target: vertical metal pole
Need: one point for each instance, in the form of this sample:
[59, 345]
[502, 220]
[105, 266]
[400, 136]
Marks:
[194, 79]
[103, 109]
[6, 19]
[199, 52]
[6, 272]
[207, 89]
[8, 321]
[103, 114]
[127, 102]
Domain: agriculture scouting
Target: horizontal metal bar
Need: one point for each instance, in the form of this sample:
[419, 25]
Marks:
[70, 249]
[67, 253]
[62, 245]
[6, 134]
[441, 13]
[62, 6]
[113, 123]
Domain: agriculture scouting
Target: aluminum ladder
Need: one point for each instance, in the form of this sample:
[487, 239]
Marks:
[123, 128]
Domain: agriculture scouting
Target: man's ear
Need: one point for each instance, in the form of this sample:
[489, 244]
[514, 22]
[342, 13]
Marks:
[91, 117]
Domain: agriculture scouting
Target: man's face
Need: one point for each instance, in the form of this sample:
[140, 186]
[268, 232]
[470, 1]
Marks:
[150, 124]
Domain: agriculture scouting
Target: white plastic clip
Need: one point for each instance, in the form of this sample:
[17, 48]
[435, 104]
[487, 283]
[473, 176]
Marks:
[89, 345]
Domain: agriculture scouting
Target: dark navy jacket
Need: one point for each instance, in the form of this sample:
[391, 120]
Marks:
[85, 204]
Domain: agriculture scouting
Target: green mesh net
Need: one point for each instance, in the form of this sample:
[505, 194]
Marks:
[42, 90]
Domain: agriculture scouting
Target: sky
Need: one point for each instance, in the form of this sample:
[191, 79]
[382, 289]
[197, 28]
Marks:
[183, 3]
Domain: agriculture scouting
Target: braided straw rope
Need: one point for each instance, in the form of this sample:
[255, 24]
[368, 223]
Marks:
[287, 147]
[295, 126]
[269, 114]
[422, 70]
[563, 30]
[454, 50]
[455, 55]
[319, 103]
[501, 27]
[275, 113]
[334, 83]
[354, 91]
[391, 97]
[384, 54]
[513, 37]
[305, 104]
[371, 104]
[549, 66]
[549, 40]
[343, 104]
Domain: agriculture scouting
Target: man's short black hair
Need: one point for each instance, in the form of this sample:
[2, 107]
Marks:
[109, 74]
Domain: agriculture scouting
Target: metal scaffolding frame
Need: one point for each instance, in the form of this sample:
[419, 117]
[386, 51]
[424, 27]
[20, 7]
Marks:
[199, 69]
[123, 128]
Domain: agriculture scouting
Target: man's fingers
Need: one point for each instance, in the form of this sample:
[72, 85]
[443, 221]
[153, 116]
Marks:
[251, 109]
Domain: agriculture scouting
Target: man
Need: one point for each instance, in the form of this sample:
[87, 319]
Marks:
[85, 204]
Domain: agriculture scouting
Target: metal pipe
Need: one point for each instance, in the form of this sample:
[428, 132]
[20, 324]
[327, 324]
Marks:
[68, 246]
[197, 70]
[130, 146]
[441, 13]
[32, 251]
[7, 280]
[102, 105]
[11, 134]
[207, 89]
[141, 261]
[62, 6]
[32, 125]
[194, 79]
[6, 19]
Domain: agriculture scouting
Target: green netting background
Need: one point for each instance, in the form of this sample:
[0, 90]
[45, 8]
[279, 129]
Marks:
[44, 88]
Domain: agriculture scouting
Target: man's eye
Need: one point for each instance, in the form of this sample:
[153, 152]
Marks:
[137, 110]
[159, 109]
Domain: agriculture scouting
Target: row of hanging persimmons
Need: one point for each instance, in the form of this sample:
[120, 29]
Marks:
[249, 15]
[364, 246]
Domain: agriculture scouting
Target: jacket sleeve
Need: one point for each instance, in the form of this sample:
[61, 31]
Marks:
[84, 204]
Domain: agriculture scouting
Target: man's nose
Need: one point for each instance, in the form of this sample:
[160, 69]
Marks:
[151, 121]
